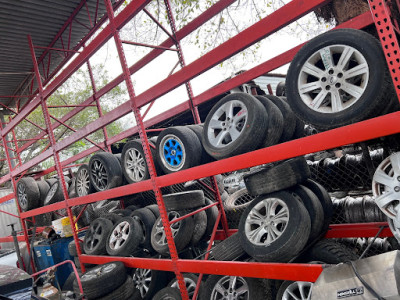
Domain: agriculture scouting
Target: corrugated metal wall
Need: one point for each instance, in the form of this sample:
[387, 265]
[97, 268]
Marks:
[5, 219]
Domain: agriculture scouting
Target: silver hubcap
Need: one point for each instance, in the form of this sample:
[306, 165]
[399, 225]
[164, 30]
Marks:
[386, 185]
[190, 285]
[135, 166]
[23, 200]
[227, 123]
[298, 290]
[267, 221]
[333, 79]
[99, 174]
[142, 280]
[230, 288]
[119, 235]
[82, 182]
[160, 238]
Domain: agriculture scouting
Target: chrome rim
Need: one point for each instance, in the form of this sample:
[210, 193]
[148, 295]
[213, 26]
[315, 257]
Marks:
[82, 182]
[172, 152]
[267, 221]
[52, 192]
[22, 198]
[298, 290]
[142, 280]
[190, 285]
[227, 123]
[119, 235]
[96, 272]
[232, 288]
[92, 240]
[135, 165]
[100, 175]
[159, 237]
[386, 185]
[333, 79]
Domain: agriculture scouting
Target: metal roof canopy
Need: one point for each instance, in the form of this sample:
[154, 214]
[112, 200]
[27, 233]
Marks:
[56, 24]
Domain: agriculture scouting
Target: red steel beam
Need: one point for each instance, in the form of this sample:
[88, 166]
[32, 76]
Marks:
[282, 271]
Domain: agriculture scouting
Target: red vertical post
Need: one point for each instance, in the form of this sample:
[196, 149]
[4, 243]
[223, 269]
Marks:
[146, 150]
[14, 183]
[194, 109]
[98, 104]
[52, 139]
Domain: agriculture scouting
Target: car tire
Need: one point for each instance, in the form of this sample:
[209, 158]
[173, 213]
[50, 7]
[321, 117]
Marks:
[312, 77]
[276, 178]
[168, 293]
[177, 149]
[105, 171]
[184, 200]
[146, 219]
[148, 282]
[285, 236]
[96, 237]
[43, 190]
[248, 135]
[28, 193]
[124, 238]
[133, 162]
[228, 249]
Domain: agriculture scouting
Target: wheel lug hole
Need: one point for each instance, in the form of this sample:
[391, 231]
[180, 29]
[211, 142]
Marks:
[328, 87]
[337, 85]
[330, 72]
[397, 189]
[323, 79]
[340, 75]
[398, 178]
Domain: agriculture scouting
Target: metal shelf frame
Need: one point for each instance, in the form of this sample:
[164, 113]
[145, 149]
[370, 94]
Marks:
[365, 130]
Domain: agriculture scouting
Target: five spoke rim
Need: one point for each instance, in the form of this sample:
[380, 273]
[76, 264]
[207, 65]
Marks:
[100, 175]
[298, 290]
[230, 288]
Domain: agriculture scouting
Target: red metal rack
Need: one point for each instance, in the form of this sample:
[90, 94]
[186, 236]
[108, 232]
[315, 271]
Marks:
[365, 130]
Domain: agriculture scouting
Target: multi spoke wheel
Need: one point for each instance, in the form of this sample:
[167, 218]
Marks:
[190, 282]
[386, 185]
[227, 123]
[133, 161]
[295, 290]
[105, 171]
[177, 148]
[267, 221]
[28, 193]
[119, 235]
[339, 78]
[333, 78]
[182, 232]
[99, 174]
[174, 153]
[124, 238]
[82, 182]
[142, 280]
[235, 125]
[232, 288]
[274, 227]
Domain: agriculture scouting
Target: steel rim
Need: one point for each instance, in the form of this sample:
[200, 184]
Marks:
[232, 288]
[82, 182]
[22, 197]
[190, 285]
[119, 235]
[172, 152]
[93, 239]
[266, 221]
[96, 272]
[51, 193]
[333, 79]
[227, 123]
[386, 185]
[135, 165]
[100, 175]
[142, 280]
[159, 237]
[298, 290]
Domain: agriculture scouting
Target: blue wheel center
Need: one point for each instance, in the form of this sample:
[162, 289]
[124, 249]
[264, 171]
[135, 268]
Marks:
[173, 153]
